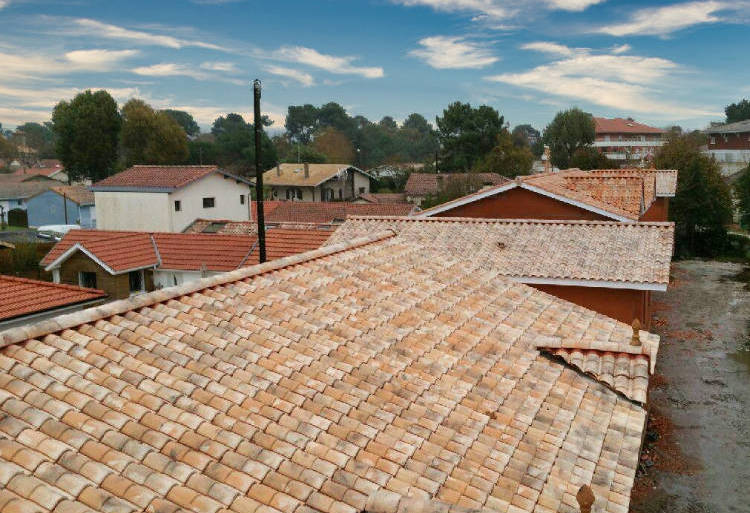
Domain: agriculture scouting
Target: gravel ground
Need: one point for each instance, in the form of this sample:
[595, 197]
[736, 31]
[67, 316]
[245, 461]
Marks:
[697, 453]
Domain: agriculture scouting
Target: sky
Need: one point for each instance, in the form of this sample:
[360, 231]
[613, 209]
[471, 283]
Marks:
[660, 62]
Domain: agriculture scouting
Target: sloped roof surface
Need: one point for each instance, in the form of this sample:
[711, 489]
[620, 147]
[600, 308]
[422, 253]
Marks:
[623, 126]
[21, 296]
[192, 251]
[46, 167]
[330, 211]
[23, 190]
[666, 179]
[568, 250]
[156, 177]
[421, 184]
[120, 251]
[311, 384]
[294, 174]
[76, 193]
[730, 128]
[384, 197]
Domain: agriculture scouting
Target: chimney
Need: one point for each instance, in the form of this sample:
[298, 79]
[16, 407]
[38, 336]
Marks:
[547, 163]
[585, 498]
[307, 170]
[278, 169]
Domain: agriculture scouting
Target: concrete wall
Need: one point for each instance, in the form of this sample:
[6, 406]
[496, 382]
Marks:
[117, 287]
[658, 211]
[308, 193]
[226, 193]
[521, 204]
[165, 278]
[10, 204]
[49, 208]
[136, 211]
[621, 304]
[361, 180]
[88, 216]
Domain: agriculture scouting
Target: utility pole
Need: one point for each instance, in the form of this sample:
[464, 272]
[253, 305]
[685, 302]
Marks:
[65, 207]
[259, 174]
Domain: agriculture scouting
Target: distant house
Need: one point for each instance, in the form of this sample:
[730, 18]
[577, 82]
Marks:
[316, 182]
[169, 198]
[128, 263]
[49, 168]
[730, 145]
[421, 185]
[627, 195]
[383, 197]
[16, 194]
[24, 301]
[62, 204]
[625, 140]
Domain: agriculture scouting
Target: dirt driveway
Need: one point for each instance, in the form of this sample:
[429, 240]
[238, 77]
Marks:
[697, 453]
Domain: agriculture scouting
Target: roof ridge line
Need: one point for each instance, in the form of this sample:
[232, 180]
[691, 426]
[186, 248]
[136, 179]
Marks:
[48, 283]
[66, 321]
[510, 220]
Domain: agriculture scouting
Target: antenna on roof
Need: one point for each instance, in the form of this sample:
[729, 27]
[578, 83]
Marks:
[259, 174]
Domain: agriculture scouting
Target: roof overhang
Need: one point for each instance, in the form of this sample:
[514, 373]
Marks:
[123, 188]
[566, 282]
[368, 175]
[55, 264]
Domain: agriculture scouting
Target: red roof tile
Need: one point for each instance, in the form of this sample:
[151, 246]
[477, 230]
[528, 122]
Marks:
[328, 212]
[421, 184]
[156, 177]
[268, 207]
[191, 251]
[380, 197]
[46, 167]
[21, 296]
[623, 126]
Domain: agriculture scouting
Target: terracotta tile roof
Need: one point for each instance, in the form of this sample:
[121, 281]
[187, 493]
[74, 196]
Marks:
[314, 383]
[384, 197]
[46, 167]
[21, 296]
[738, 127]
[76, 193]
[421, 184]
[294, 174]
[124, 251]
[626, 253]
[333, 211]
[623, 126]
[268, 207]
[666, 179]
[162, 178]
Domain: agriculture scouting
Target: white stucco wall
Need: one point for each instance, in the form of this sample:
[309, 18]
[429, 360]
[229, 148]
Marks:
[165, 278]
[361, 180]
[137, 211]
[226, 193]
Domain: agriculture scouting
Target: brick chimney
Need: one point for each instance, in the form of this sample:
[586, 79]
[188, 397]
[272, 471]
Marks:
[547, 163]
[307, 170]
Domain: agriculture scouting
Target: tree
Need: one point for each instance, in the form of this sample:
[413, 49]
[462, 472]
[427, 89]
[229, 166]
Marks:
[738, 111]
[742, 192]
[201, 152]
[335, 145]
[7, 150]
[150, 137]
[589, 157]
[185, 120]
[87, 130]
[301, 121]
[235, 144]
[39, 137]
[418, 141]
[702, 206]
[525, 135]
[334, 115]
[506, 158]
[467, 134]
[570, 130]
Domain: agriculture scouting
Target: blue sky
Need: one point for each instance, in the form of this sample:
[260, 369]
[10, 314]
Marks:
[659, 62]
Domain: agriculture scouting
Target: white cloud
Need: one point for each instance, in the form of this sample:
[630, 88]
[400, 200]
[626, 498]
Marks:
[98, 58]
[661, 21]
[305, 79]
[228, 67]
[623, 82]
[494, 9]
[4, 3]
[547, 47]
[88, 27]
[205, 115]
[330, 63]
[20, 64]
[446, 52]
[621, 49]
[170, 69]
[572, 5]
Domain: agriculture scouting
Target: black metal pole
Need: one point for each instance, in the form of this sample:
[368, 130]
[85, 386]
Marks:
[257, 125]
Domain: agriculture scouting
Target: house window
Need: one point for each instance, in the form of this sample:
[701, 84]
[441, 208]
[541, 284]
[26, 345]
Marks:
[361, 190]
[87, 279]
[208, 202]
[177, 206]
[275, 193]
[713, 140]
[242, 199]
[136, 281]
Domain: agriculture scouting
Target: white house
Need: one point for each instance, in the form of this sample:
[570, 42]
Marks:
[169, 198]
[317, 182]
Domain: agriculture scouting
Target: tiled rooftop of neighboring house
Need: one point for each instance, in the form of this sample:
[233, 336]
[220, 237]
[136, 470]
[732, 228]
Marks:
[422, 184]
[737, 127]
[163, 178]
[332, 211]
[355, 376]
[124, 251]
[46, 167]
[294, 174]
[666, 179]
[384, 197]
[625, 253]
[23, 190]
[251, 227]
[21, 296]
[75, 193]
[623, 126]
